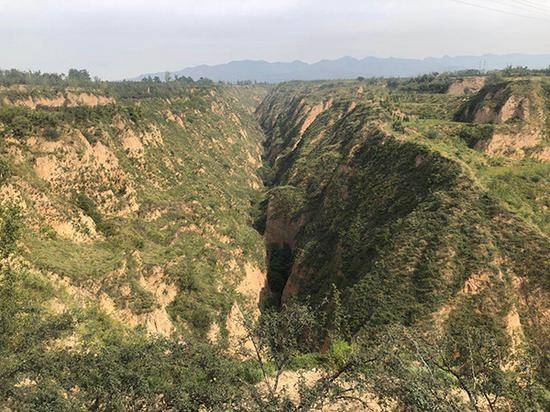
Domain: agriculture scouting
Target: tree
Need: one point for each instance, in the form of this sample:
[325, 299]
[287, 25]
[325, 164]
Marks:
[462, 370]
[276, 339]
[78, 77]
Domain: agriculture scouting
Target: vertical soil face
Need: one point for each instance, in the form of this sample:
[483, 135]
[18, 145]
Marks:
[280, 239]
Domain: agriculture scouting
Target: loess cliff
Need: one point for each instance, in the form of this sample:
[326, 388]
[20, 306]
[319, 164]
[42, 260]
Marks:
[136, 200]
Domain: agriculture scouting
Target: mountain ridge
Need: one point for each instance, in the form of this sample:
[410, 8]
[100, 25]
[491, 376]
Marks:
[348, 67]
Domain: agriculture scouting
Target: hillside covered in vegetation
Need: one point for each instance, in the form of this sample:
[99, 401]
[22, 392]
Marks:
[408, 203]
[182, 245]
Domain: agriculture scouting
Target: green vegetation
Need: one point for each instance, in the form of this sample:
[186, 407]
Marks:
[406, 216]
[88, 206]
[204, 197]
[419, 258]
[126, 371]
[523, 187]
[428, 83]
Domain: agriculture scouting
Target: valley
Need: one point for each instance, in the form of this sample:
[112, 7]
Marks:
[161, 239]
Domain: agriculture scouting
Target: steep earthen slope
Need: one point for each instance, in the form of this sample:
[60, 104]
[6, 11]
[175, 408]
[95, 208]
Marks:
[136, 198]
[398, 214]
[519, 112]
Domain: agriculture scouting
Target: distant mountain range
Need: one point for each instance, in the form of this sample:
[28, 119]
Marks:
[349, 67]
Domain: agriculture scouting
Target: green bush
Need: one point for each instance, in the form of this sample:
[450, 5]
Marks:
[48, 232]
[473, 134]
[51, 134]
[427, 83]
[141, 300]
[432, 134]
[306, 361]
[339, 353]
[88, 206]
[397, 125]
[5, 171]
[22, 121]
[20, 126]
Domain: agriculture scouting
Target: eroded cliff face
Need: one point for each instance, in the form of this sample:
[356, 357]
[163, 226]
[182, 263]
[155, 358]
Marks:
[519, 113]
[367, 200]
[467, 85]
[136, 202]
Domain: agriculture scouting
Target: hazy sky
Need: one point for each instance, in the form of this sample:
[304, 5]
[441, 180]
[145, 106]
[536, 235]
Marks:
[123, 38]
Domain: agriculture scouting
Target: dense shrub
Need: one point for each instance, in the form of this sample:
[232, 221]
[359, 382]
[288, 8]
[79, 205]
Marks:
[428, 83]
[5, 171]
[473, 134]
[88, 206]
[51, 133]
[22, 121]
